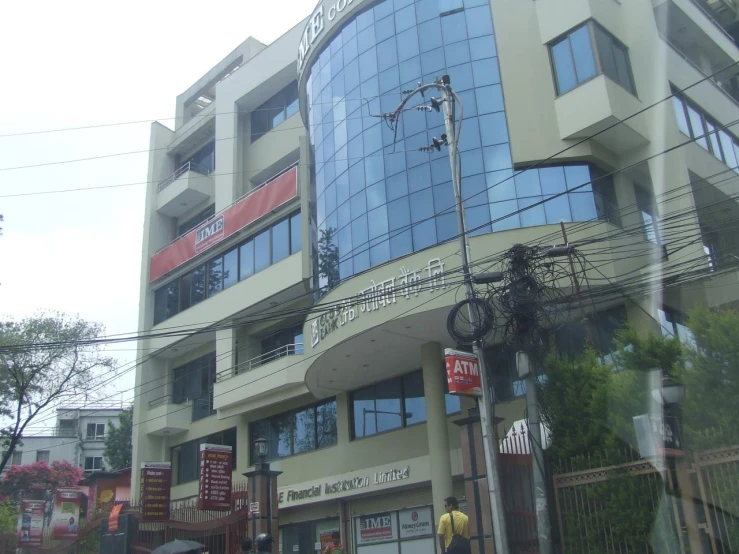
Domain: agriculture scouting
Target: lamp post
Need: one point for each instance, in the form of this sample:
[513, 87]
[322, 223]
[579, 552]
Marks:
[669, 395]
[262, 491]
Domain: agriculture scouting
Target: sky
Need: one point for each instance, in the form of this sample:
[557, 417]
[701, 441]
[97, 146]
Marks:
[81, 63]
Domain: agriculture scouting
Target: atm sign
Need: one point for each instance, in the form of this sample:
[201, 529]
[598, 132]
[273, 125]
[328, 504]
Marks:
[462, 373]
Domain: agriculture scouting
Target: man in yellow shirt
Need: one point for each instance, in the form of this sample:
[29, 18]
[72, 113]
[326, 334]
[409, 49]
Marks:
[451, 524]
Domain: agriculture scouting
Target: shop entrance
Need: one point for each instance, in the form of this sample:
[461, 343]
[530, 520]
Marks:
[307, 537]
[408, 531]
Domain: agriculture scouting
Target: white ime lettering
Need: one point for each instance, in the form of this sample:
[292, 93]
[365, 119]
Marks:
[316, 24]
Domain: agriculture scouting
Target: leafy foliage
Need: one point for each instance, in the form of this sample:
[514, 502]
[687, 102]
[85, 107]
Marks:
[118, 447]
[46, 360]
[8, 518]
[328, 257]
[31, 481]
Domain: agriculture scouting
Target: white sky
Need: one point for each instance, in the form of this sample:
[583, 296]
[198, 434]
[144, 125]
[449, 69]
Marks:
[77, 63]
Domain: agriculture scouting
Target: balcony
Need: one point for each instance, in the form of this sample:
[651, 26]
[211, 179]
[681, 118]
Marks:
[271, 377]
[596, 105]
[190, 185]
[168, 416]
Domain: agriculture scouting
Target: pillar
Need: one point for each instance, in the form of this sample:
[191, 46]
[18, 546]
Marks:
[475, 484]
[436, 425]
[262, 489]
[226, 352]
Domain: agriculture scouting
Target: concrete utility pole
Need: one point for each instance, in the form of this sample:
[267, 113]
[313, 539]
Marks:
[447, 103]
[485, 402]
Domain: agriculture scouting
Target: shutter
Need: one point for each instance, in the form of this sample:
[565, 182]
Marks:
[392, 501]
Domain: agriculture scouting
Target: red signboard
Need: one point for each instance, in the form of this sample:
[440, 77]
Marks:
[462, 373]
[31, 523]
[216, 465]
[156, 480]
[272, 195]
[66, 514]
[113, 518]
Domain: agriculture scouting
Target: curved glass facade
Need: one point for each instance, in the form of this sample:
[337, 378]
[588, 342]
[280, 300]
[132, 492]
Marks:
[381, 197]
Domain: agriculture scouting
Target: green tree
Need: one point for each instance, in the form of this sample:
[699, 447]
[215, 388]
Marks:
[118, 447]
[328, 257]
[8, 518]
[46, 360]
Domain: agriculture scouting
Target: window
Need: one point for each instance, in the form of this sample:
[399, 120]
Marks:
[93, 463]
[186, 457]
[95, 431]
[673, 324]
[194, 381]
[204, 160]
[393, 404]
[302, 430]
[649, 215]
[224, 270]
[283, 343]
[597, 330]
[16, 458]
[196, 220]
[42, 456]
[587, 51]
[692, 121]
[274, 111]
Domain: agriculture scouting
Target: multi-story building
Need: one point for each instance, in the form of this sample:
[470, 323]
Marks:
[300, 251]
[78, 436]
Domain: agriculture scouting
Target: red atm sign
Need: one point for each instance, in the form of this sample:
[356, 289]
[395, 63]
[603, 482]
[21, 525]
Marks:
[462, 373]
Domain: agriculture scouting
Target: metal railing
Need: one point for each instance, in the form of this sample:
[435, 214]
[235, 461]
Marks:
[243, 367]
[707, 13]
[695, 66]
[184, 168]
[167, 399]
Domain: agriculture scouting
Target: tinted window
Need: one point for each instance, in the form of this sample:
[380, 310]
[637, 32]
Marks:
[274, 111]
[215, 276]
[230, 268]
[261, 251]
[280, 240]
[296, 233]
[246, 259]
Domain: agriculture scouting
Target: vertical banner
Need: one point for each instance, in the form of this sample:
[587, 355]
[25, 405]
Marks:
[66, 518]
[462, 373]
[156, 481]
[113, 518]
[31, 523]
[216, 465]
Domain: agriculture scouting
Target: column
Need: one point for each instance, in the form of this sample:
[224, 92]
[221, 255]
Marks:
[262, 489]
[436, 425]
[226, 352]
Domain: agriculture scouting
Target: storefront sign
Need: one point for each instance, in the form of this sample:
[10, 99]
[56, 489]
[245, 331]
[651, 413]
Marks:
[343, 485]
[113, 518]
[233, 219]
[379, 295]
[31, 522]
[376, 528]
[416, 522]
[216, 465]
[462, 373]
[66, 516]
[156, 481]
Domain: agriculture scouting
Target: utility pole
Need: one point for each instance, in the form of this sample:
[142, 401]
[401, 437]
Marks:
[489, 440]
[543, 527]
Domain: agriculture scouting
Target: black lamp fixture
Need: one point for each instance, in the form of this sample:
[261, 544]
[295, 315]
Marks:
[670, 393]
[261, 447]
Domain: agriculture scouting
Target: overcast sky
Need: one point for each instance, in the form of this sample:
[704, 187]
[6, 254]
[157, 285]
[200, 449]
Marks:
[80, 63]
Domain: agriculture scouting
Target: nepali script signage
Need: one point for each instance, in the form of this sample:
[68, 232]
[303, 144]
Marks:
[408, 284]
[156, 481]
[342, 486]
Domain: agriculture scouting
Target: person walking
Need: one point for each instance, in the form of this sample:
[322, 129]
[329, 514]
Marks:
[264, 542]
[336, 547]
[247, 546]
[454, 529]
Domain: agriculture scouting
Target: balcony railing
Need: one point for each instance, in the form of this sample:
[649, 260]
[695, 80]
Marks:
[709, 15]
[188, 166]
[244, 367]
[167, 399]
[67, 432]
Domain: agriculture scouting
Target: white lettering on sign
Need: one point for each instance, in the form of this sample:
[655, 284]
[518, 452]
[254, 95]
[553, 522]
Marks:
[379, 295]
[312, 30]
[209, 234]
[466, 367]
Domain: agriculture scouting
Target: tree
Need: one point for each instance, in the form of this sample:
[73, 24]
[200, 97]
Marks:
[46, 360]
[118, 448]
[328, 257]
[8, 518]
[31, 481]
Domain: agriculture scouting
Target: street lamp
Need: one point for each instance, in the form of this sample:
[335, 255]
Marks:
[261, 447]
[672, 392]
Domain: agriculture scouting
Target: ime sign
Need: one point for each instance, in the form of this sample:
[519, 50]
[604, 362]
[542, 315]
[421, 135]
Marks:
[462, 373]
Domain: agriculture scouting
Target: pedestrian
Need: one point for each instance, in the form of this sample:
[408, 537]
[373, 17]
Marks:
[247, 546]
[336, 546]
[264, 542]
[454, 529]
